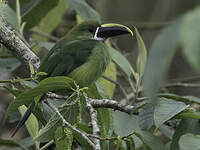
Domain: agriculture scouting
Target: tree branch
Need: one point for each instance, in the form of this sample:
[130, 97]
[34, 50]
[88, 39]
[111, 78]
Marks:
[82, 133]
[95, 127]
[107, 103]
[17, 46]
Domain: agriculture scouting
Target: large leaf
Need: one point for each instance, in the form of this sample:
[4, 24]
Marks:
[71, 114]
[8, 65]
[142, 54]
[190, 35]
[160, 56]
[9, 15]
[63, 139]
[48, 84]
[52, 18]
[41, 12]
[120, 60]
[146, 117]
[32, 122]
[166, 109]
[186, 126]
[125, 124]
[189, 142]
[84, 10]
[9, 143]
[188, 99]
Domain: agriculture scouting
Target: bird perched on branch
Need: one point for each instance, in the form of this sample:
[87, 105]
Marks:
[81, 55]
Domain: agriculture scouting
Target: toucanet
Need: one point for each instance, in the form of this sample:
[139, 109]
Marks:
[81, 55]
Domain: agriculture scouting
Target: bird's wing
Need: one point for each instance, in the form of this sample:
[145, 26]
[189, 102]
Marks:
[65, 58]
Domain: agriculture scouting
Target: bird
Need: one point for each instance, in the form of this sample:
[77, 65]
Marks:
[81, 55]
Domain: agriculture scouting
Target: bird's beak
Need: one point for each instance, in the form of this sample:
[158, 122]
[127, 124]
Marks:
[110, 30]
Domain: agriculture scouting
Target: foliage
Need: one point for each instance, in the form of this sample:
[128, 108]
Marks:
[159, 114]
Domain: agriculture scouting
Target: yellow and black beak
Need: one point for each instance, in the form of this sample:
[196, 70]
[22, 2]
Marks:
[110, 30]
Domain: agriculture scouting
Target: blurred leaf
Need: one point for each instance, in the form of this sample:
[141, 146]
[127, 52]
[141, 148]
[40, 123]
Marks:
[48, 84]
[161, 53]
[51, 16]
[188, 99]
[105, 121]
[71, 115]
[130, 145]
[150, 142]
[108, 86]
[47, 45]
[84, 144]
[188, 114]
[189, 142]
[167, 131]
[190, 35]
[142, 53]
[42, 10]
[123, 63]
[125, 124]
[27, 84]
[8, 65]
[185, 126]
[146, 117]
[84, 10]
[32, 122]
[9, 15]
[63, 138]
[9, 143]
[166, 109]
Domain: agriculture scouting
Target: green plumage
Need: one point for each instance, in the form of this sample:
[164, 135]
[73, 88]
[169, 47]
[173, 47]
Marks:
[78, 56]
[83, 60]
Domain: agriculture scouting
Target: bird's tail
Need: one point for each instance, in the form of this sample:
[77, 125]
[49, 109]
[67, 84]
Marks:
[24, 118]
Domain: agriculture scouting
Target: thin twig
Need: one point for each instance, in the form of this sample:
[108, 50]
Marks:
[118, 84]
[47, 145]
[95, 127]
[180, 84]
[82, 133]
[43, 34]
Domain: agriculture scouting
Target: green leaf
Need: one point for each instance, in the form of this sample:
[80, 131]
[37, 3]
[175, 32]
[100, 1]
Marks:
[50, 14]
[8, 65]
[108, 86]
[105, 121]
[71, 114]
[48, 84]
[63, 138]
[84, 10]
[47, 45]
[142, 54]
[188, 99]
[189, 142]
[130, 145]
[167, 109]
[42, 10]
[190, 35]
[32, 122]
[146, 117]
[150, 142]
[123, 63]
[125, 124]
[160, 56]
[9, 143]
[9, 15]
[185, 126]
[188, 114]
[84, 144]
